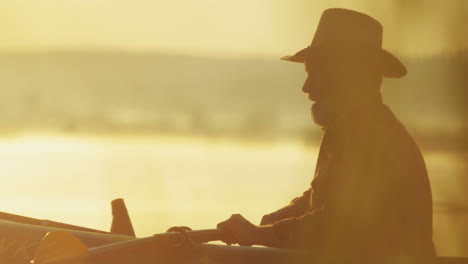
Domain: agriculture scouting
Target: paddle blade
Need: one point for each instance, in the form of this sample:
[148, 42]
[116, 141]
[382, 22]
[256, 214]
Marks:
[60, 247]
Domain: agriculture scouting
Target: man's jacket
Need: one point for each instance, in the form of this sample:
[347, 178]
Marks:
[370, 195]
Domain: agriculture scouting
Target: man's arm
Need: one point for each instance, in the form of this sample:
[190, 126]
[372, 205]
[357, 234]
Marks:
[297, 207]
[244, 233]
[287, 233]
[295, 232]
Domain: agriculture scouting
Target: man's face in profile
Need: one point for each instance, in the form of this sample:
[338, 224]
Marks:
[337, 83]
[322, 88]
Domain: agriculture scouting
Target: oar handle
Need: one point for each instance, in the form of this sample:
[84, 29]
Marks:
[207, 235]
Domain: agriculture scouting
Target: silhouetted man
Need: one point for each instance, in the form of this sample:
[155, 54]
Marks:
[370, 195]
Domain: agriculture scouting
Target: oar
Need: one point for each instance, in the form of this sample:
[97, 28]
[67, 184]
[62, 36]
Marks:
[64, 248]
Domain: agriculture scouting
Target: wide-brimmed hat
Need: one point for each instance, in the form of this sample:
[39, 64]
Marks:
[343, 30]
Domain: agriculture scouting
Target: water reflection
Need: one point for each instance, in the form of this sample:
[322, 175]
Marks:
[180, 181]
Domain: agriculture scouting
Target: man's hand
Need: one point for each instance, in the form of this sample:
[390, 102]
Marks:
[245, 233]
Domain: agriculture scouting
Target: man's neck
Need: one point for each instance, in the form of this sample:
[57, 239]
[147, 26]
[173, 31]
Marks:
[356, 115]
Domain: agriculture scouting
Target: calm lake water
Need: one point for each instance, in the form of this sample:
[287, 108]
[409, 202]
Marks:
[193, 182]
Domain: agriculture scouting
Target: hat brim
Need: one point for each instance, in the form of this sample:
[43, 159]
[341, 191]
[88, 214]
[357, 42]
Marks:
[391, 66]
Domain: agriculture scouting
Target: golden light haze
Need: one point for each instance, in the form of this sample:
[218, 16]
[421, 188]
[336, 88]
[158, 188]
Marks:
[124, 112]
[268, 28]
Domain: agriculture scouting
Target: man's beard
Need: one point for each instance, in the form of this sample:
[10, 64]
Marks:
[322, 115]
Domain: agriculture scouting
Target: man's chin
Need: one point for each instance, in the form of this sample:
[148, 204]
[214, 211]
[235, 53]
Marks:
[318, 115]
[319, 122]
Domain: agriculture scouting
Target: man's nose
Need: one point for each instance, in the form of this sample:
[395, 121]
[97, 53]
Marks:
[307, 87]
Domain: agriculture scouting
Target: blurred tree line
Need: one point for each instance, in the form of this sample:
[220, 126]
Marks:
[113, 93]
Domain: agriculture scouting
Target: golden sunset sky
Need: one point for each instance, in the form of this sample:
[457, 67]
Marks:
[265, 28]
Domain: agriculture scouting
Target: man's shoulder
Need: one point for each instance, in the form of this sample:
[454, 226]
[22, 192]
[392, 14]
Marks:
[390, 126]
[395, 135]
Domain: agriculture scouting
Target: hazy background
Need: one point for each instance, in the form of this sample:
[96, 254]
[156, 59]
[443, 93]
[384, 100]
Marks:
[183, 108]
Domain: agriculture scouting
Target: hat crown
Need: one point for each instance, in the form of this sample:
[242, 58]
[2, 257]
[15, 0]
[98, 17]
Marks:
[344, 27]
[352, 33]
